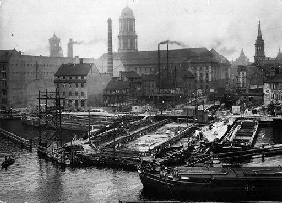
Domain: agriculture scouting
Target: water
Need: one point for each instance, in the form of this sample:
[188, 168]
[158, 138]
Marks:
[32, 179]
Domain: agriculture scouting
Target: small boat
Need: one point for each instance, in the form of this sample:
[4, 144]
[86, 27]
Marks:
[8, 161]
[212, 183]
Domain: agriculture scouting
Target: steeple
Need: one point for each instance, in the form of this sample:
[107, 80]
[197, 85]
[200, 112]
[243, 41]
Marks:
[259, 30]
[259, 47]
[242, 53]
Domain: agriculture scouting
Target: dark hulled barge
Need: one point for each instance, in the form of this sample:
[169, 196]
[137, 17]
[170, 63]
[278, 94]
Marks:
[214, 183]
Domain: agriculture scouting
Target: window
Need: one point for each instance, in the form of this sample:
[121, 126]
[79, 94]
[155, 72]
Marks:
[82, 85]
[63, 93]
[4, 92]
[70, 77]
[76, 85]
[82, 77]
[70, 93]
[76, 77]
[76, 93]
[82, 103]
[82, 93]
[64, 77]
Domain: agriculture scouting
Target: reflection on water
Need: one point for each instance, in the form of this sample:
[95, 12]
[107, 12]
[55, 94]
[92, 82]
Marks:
[32, 179]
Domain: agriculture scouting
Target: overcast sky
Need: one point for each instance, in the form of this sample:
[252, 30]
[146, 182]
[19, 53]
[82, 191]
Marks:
[226, 25]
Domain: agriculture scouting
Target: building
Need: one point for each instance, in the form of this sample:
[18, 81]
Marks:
[55, 46]
[206, 69]
[127, 38]
[270, 66]
[116, 93]
[22, 76]
[273, 90]
[81, 85]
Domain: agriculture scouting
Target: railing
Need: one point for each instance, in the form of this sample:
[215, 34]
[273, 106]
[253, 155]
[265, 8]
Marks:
[17, 139]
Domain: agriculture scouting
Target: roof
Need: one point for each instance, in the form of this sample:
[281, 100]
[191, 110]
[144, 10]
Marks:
[150, 77]
[127, 13]
[130, 74]
[116, 84]
[73, 69]
[174, 56]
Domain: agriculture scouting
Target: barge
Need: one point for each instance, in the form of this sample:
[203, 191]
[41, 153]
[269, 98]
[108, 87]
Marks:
[213, 183]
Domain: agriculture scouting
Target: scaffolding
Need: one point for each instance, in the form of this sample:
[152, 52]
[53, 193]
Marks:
[50, 108]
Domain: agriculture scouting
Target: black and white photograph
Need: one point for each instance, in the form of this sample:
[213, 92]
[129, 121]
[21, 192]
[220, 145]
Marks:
[140, 101]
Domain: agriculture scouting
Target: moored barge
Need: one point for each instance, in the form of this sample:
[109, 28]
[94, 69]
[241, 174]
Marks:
[213, 183]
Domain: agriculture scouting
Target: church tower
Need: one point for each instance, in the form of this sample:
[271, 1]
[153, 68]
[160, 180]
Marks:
[259, 47]
[55, 47]
[127, 37]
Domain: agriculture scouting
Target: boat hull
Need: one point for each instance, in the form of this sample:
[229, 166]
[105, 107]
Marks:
[217, 189]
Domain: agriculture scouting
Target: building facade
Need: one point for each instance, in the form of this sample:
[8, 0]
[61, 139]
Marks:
[22, 76]
[55, 46]
[273, 90]
[127, 37]
[177, 72]
[81, 85]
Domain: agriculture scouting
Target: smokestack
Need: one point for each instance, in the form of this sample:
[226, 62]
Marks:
[159, 67]
[70, 48]
[110, 48]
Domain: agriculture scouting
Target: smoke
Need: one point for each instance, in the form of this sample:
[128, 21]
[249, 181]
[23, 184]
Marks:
[222, 47]
[77, 42]
[173, 42]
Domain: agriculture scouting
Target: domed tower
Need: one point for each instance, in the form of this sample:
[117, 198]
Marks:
[55, 47]
[259, 47]
[127, 37]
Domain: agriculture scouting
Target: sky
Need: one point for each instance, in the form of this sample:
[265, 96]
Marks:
[225, 25]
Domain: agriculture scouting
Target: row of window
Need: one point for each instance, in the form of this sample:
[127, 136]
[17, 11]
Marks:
[34, 64]
[75, 93]
[276, 96]
[71, 77]
[77, 85]
[75, 103]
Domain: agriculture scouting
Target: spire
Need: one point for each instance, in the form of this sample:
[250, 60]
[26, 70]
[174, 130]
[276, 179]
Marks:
[242, 53]
[259, 30]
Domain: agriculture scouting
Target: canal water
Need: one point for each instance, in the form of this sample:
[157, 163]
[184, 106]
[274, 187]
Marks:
[32, 179]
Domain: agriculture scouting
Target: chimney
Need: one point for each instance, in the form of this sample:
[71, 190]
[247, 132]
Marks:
[110, 48]
[70, 48]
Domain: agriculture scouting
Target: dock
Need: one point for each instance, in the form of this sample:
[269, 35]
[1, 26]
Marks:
[24, 143]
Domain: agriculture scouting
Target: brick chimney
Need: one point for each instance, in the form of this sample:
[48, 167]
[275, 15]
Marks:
[110, 48]
[70, 48]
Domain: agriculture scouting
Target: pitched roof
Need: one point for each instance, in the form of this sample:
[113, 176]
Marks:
[116, 84]
[149, 77]
[174, 56]
[73, 69]
[130, 74]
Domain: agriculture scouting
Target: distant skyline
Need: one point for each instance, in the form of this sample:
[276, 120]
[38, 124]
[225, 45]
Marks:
[225, 25]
